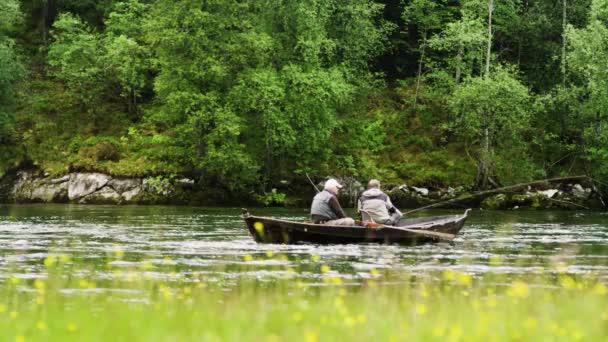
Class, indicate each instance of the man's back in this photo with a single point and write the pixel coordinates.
(375, 203)
(321, 209)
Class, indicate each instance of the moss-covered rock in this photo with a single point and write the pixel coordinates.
(496, 202)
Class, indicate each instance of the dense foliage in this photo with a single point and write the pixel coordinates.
(242, 95)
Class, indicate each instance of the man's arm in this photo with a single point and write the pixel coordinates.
(336, 208)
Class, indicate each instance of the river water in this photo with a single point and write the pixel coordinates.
(213, 243)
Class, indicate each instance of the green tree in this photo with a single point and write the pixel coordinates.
(74, 57)
(586, 58)
(429, 16)
(127, 58)
(11, 71)
(275, 77)
(492, 112)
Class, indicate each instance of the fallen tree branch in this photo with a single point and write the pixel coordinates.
(499, 190)
(569, 203)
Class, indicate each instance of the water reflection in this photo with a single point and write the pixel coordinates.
(213, 243)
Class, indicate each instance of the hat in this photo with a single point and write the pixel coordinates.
(332, 183)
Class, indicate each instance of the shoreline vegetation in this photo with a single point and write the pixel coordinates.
(243, 97)
(142, 301)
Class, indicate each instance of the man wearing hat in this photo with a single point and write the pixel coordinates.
(326, 209)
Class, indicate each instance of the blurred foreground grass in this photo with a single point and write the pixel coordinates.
(72, 303)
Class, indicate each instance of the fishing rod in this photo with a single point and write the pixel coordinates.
(311, 182)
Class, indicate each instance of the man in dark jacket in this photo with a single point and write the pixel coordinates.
(376, 206)
(326, 209)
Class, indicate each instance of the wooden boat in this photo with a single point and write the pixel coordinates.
(408, 231)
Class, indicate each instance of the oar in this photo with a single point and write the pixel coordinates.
(427, 233)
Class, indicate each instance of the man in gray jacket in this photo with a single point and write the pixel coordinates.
(376, 206)
(326, 209)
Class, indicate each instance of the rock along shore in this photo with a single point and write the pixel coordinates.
(93, 188)
(99, 188)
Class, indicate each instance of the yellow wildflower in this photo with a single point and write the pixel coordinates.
(530, 323)
(519, 289)
(269, 254)
(335, 280)
(438, 332)
(492, 302)
(72, 327)
(41, 326)
(455, 332)
(373, 272)
(600, 289)
(147, 265)
(259, 227)
(495, 260)
(449, 275)
(421, 309)
(39, 284)
(349, 321)
(50, 261)
(338, 302)
(464, 279)
(325, 269)
(118, 252)
(65, 258)
(315, 258)
(311, 336)
(248, 258)
(577, 335)
(297, 317)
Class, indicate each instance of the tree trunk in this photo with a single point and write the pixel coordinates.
(520, 39)
(564, 42)
(44, 21)
(482, 180)
(419, 75)
(459, 63)
(489, 50)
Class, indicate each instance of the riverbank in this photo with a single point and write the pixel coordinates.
(100, 188)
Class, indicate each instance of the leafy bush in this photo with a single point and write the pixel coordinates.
(272, 199)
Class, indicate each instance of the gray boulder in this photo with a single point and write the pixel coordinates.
(578, 192)
(104, 195)
(421, 191)
(549, 193)
(129, 195)
(83, 184)
(124, 185)
(49, 192)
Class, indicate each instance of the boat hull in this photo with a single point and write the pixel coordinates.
(270, 230)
